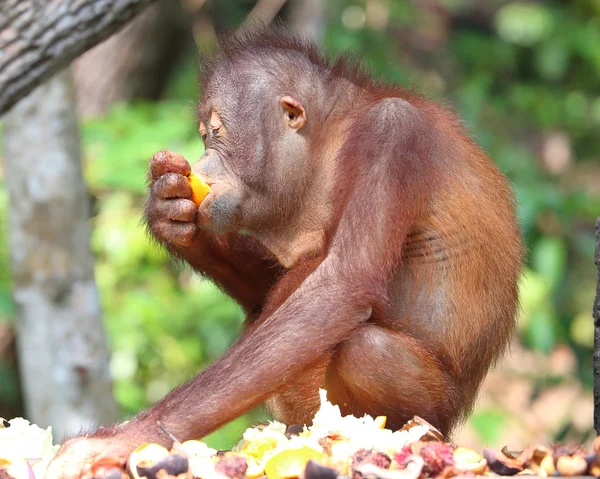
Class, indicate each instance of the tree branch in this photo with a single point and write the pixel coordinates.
(264, 11)
(39, 37)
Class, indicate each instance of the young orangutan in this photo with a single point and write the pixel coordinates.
(372, 244)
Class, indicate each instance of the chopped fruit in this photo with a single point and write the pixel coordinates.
(575, 465)
(199, 189)
(291, 462)
(380, 421)
(333, 446)
(468, 460)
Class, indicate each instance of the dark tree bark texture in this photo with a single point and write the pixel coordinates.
(596, 315)
(39, 37)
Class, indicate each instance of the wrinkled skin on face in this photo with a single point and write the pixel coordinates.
(257, 153)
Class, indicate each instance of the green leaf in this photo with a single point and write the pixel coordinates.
(549, 259)
(524, 23)
(552, 60)
(541, 333)
(582, 330)
(7, 305)
(488, 424)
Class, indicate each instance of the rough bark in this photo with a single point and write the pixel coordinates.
(596, 315)
(39, 37)
(62, 348)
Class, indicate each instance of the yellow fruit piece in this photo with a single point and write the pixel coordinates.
(255, 451)
(257, 448)
(150, 452)
(468, 460)
(199, 189)
(291, 462)
(380, 421)
(16, 466)
(255, 469)
(571, 465)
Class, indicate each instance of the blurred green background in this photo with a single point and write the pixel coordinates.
(523, 75)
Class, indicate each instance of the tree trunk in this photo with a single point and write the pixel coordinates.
(62, 348)
(39, 37)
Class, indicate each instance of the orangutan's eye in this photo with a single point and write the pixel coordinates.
(202, 130)
(216, 125)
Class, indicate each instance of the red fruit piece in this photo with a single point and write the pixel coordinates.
(437, 456)
(232, 466)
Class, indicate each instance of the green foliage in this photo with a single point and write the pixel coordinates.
(524, 23)
(488, 423)
(120, 145)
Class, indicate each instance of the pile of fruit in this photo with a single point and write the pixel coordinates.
(25, 449)
(333, 447)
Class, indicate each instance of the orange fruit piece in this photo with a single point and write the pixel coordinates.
(199, 189)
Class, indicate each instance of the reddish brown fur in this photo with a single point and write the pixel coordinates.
(387, 274)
